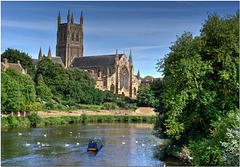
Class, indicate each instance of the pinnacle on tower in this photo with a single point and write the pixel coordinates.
(68, 17)
(72, 19)
(117, 58)
(81, 19)
(59, 18)
(138, 74)
(130, 57)
(107, 71)
(49, 53)
(40, 55)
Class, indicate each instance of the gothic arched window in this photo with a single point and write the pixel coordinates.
(124, 78)
(135, 91)
(77, 37)
(72, 37)
(112, 88)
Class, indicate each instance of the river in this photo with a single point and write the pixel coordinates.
(125, 144)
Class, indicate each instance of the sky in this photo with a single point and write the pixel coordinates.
(148, 28)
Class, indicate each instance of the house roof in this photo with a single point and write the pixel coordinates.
(18, 67)
(94, 61)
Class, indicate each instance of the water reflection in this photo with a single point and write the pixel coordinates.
(67, 146)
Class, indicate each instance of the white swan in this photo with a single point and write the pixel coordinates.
(66, 144)
(77, 143)
(38, 143)
(27, 144)
(123, 142)
(143, 144)
(45, 135)
(19, 133)
(136, 141)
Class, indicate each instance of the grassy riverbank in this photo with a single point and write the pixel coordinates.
(28, 121)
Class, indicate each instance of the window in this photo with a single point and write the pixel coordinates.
(98, 85)
(72, 37)
(134, 81)
(77, 37)
(101, 85)
(23, 71)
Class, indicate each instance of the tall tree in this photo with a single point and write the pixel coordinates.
(10, 93)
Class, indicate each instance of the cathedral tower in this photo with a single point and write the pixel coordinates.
(69, 39)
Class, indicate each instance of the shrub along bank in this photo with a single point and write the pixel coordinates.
(35, 120)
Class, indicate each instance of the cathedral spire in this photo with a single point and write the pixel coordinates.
(117, 58)
(130, 57)
(72, 19)
(81, 19)
(49, 53)
(138, 74)
(59, 18)
(68, 17)
(40, 55)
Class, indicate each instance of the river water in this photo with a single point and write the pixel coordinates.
(125, 144)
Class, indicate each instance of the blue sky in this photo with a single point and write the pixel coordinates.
(146, 27)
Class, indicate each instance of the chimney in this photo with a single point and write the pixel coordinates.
(18, 61)
(5, 60)
(92, 71)
(100, 75)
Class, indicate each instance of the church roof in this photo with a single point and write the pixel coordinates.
(57, 60)
(54, 59)
(94, 61)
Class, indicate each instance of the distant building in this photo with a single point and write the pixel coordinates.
(115, 70)
(98, 79)
(17, 66)
(111, 72)
(145, 81)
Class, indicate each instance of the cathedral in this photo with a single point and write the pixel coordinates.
(115, 70)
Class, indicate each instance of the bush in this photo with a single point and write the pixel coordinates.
(4, 122)
(110, 106)
(11, 120)
(34, 118)
(84, 117)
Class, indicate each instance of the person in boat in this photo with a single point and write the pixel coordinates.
(92, 144)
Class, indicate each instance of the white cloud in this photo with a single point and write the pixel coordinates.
(45, 26)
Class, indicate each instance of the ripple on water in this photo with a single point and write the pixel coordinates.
(113, 153)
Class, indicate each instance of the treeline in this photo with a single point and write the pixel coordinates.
(34, 120)
(199, 105)
(50, 87)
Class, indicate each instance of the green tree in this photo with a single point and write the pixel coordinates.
(146, 96)
(26, 61)
(55, 76)
(10, 93)
(26, 85)
(109, 96)
(201, 85)
(75, 91)
(148, 77)
(83, 77)
(42, 89)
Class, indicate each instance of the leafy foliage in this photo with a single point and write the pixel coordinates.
(34, 118)
(146, 96)
(26, 85)
(10, 93)
(109, 96)
(42, 90)
(55, 76)
(201, 87)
